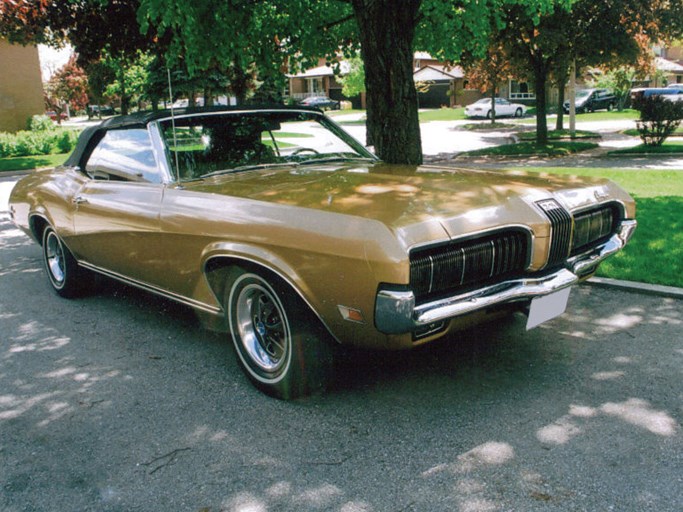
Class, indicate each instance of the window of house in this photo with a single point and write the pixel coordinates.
(315, 85)
(521, 91)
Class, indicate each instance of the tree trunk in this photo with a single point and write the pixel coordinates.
(387, 29)
(559, 123)
(540, 79)
(561, 81)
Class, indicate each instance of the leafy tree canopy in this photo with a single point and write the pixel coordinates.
(69, 85)
(90, 26)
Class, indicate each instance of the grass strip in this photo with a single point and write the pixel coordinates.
(614, 115)
(633, 132)
(24, 163)
(559, 148)
(442, 114)
(560, 135)
(488, 126)
(670, 147)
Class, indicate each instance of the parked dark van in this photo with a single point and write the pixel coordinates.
(590, 100)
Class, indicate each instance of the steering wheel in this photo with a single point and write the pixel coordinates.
(304, 150)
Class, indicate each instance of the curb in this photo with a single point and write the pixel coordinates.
(15, 174)
(633, 286)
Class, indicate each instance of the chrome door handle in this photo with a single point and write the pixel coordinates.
(79, 200)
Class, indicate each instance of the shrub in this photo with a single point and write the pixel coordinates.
(659, 118)
(7, 145)
(32, 143)
(66, 141)
(40, 124)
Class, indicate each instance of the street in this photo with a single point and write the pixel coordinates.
(119, 401)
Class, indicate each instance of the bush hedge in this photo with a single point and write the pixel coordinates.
(659, 118)
(41, 139)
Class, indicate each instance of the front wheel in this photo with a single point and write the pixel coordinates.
(518, 112)
(280, 344)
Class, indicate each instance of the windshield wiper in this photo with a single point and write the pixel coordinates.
(337, 159)
(248, 168)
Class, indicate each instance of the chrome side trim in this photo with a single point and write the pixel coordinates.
(153, 289)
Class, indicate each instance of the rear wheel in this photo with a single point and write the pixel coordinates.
(280, 344)
(66, 277)
(518, 112)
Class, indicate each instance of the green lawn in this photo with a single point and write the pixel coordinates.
(669, 147)
(488, 126)
(24, 163)
(633, 132)
(531, 148)
(560, 135)
(442, 114)
(655, 253)
(600, 115)
(427, 115)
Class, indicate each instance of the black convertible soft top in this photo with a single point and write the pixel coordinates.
(93, 134)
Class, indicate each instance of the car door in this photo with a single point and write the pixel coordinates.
(503, 107)
(116, 211)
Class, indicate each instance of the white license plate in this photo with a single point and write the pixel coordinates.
(547, 307)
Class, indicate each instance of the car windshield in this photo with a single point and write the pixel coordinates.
(582, 94)
(208, 144)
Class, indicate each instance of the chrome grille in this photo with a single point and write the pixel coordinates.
(592, 226)
(560, 231)
(457, 265)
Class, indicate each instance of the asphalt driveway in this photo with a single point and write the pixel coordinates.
(120, 402)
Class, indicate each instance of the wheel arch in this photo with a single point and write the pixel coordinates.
(37, 223)
(216, 265)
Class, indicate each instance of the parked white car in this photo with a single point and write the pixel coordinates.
(482, 108)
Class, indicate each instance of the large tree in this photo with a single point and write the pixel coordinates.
(294, 33)
(591, 32)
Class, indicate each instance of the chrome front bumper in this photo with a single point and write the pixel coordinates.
(397, 313)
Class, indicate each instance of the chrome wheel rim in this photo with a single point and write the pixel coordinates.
(262, 327)
(54, 257)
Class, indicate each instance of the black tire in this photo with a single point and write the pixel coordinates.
(63, 272)
(280, 344)
(518, 112)
(489, 115)
(610, 107)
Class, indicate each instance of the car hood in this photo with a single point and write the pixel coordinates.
(418, 203)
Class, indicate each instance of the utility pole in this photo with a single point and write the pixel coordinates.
(572, 100)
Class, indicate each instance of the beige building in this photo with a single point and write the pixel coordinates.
(21, 87)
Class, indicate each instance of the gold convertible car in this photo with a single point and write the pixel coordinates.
(291, 235)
